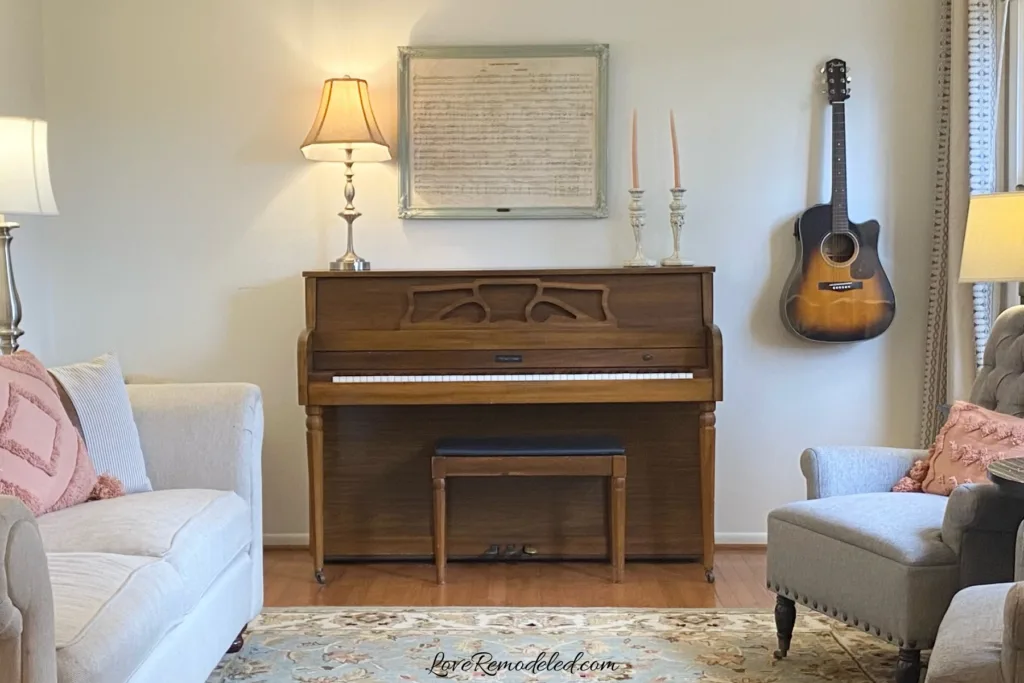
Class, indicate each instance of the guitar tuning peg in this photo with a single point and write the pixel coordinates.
(849, 79)
(822, 70)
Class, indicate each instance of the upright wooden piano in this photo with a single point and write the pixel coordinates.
(390, 361)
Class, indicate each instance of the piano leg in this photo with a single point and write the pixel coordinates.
(440, 527)
(315, 454)
(706, 440)
(618, 494)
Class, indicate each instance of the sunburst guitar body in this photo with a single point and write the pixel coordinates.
(837, 291)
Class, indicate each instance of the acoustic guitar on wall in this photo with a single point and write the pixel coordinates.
(837, 290)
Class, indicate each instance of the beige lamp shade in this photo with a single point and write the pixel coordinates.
(24, 168)
(994, 243)
(345, 122)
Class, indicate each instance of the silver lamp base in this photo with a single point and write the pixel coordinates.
(350, 262)
(10, 303)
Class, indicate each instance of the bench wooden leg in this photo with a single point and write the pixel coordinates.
(618, 515)
(440, 549)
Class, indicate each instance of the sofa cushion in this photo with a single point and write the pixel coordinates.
(970, 638)
(99, 402)
(43, 460)
(196, 531)
(110, 612)
(904, 527)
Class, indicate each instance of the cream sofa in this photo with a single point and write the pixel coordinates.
(150, 587)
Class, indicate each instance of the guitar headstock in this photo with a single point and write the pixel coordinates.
(836, 78)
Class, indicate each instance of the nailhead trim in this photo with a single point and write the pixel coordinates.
(782, 589)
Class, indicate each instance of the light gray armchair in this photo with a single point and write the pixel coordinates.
(890, 563)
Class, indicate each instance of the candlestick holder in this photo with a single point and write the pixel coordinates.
(637, 220)
(676, 219)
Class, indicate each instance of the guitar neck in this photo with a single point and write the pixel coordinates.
(840, 214)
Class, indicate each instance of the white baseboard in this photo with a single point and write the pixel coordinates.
(281, 540)
(742, 539)
(721, 539)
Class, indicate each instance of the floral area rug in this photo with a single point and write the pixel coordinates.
(530, 645)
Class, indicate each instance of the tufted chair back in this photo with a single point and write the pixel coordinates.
(999, 385)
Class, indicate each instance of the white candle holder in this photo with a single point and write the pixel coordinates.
(676, 219)
(637, 220)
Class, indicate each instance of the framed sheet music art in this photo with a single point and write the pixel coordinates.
(503, 132)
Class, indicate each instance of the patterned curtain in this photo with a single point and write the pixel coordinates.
(960, 316)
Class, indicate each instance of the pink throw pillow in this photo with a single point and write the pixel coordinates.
(971, 439)
(43, 460)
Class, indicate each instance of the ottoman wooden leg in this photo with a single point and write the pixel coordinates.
(785, 620)
(908, 666)
(618, 502)
(440, 548)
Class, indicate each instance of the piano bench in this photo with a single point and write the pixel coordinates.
(543, 456)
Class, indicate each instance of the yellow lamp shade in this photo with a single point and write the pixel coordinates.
(994, 243)
(345, 123)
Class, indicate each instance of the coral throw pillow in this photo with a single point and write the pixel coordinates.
(971, 439)
(43, 460)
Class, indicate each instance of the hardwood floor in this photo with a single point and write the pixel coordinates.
(739, 583)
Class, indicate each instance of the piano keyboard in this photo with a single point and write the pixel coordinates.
(512, 377)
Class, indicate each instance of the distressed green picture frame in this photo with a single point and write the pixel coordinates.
(408, 210)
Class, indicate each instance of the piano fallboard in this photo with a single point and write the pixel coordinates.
(389, 361)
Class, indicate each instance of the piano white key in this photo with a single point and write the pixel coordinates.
(513, 377)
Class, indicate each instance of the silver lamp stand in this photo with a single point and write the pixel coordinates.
(350, 260)
(10, 304)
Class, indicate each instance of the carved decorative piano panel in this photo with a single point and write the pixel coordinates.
(390, 361)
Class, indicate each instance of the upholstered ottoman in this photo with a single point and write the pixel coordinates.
(874, 560)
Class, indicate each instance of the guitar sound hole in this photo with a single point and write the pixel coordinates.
(839, 248)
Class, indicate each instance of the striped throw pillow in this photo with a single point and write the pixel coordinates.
(103, 413)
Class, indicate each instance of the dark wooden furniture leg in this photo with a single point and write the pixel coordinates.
(785, 620)
(315, 453)
(238, 642)
(908, 666)
(706, 440)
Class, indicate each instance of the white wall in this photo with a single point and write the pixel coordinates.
(188, 212)
(21, 94)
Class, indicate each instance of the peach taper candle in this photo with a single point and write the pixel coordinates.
(675, 149)
(636, 166)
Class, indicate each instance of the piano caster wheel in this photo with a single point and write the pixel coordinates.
(319, 575)
(709, 575)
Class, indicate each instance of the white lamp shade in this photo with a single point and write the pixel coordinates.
(24, 168)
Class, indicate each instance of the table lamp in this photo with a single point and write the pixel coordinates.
(24, 189)
(994, 242)
(345, 130)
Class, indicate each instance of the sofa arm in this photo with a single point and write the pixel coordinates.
(1012, 654)
(206, 436)
(981, 508)
(840, 471)
(28, 649)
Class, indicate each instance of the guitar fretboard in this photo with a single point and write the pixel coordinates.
(840, 216)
